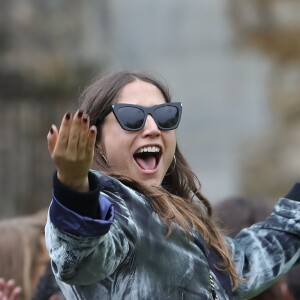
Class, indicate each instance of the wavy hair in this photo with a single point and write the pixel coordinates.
(179, 199)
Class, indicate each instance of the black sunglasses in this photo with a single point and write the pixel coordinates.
(133, 117)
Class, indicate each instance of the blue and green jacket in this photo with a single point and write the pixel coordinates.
(110, 243)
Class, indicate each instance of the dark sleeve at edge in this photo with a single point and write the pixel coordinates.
(294, 193)
(85, 204)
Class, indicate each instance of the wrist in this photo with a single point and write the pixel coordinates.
(77, 184)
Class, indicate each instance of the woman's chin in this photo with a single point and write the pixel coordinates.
(153, 180)
(153, 183)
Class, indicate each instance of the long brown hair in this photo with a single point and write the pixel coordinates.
(179, 199)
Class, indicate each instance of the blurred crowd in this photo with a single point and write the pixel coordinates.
(25, 265)
(26, 270)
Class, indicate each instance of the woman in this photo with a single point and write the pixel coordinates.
(137, 225)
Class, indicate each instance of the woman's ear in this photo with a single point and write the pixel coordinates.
(100, 149)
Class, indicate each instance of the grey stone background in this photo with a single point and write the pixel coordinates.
(233, 64)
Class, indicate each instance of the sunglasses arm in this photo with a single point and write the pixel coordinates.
(103, 115)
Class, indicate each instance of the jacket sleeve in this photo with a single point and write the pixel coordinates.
(85, 245)
(267, 250)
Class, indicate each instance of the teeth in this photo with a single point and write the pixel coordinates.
(148, 149)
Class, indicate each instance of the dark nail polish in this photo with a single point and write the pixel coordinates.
(68, 116)
(51, 130)
(85, 120)
(93, 131)
(80, 114)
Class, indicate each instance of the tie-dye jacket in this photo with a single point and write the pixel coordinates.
(122, 252)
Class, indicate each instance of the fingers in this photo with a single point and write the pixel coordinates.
(75, 139)
(2, 289)
(16, 292)
(81, 137)
(2, 296)
(78, 135)
(52, 138)
(90, 146)
(12, 290)
(77, 128)
(63, 135)
(74, 136)
(58, 139)
(9, 290)
(10, 285)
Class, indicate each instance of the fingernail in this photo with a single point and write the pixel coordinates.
(68, 116)
(85, 120)
(80, 114)
(93, 131)
(51, 130)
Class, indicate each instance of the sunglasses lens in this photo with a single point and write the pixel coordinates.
(131, 117)
(167, 116)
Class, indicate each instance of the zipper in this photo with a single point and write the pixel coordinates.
(212, 286)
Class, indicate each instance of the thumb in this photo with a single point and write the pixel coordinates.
(52, 138)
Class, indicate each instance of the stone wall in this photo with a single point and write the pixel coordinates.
(273, 27)
(48, 50)
(44, 64)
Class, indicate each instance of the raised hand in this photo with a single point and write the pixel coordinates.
(9, 290)
(72, 149)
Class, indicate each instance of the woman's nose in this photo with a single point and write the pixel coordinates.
(150, 127)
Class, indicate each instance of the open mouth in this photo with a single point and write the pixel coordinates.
(148, 157)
